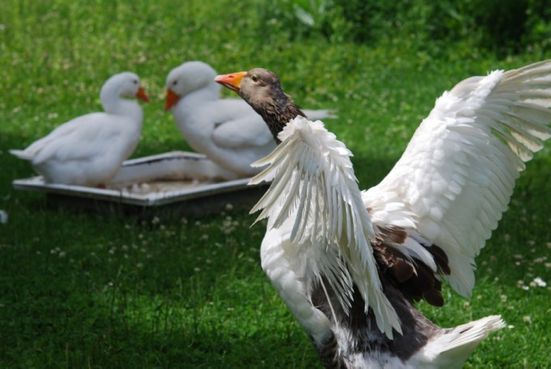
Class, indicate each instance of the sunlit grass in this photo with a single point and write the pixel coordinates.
(83, 290)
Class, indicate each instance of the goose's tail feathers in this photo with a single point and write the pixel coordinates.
(451, 348)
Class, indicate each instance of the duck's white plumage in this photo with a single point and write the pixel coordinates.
(227, 130)
(89, 149)
(449, 188)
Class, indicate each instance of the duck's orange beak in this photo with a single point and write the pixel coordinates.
(231, 81)
(171, 99)
(142, 95)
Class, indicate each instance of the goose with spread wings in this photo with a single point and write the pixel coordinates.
(350, 265)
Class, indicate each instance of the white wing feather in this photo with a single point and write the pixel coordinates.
(244, 131)
(82, 138)
(457, 174)
(313, 183)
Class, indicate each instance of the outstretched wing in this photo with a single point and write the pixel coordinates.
(457, 174)
(313, 183)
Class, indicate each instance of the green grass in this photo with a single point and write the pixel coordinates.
(84, 290)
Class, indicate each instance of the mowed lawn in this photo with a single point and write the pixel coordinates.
(89, 290)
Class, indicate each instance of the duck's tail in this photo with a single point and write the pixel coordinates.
(22, 154)
(451, 348)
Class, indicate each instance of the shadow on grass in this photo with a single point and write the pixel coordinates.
(76, 308)
(56, 328)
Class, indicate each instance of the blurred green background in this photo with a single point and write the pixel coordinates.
(84, 290)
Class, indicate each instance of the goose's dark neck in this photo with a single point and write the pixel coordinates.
(278, 112)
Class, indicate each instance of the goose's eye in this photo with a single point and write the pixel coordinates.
(135, 81)
(174, 83)
(254, 78)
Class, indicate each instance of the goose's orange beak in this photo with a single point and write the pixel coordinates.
(231, 81)
(171, 99)
(142, 95)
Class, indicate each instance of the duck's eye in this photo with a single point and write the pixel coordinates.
(174, 83)
(135, 81)
(254, 78)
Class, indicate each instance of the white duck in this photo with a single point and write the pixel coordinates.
(227, 131)
(350, 264)
(89, 150)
